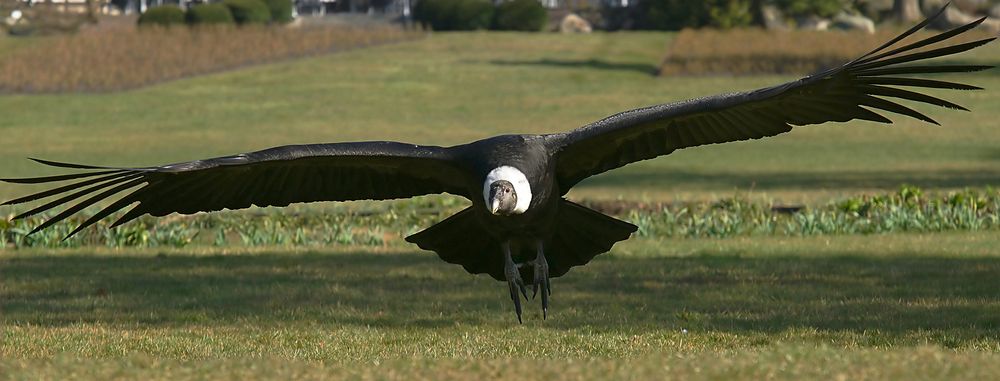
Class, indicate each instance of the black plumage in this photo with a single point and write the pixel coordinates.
(513, 233)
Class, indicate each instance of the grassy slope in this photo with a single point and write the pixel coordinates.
(779, 306)
(452, 88)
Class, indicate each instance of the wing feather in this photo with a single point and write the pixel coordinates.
(273, 177)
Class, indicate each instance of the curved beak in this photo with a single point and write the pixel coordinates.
(496, 206)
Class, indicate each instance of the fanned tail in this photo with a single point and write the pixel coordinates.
(579, 235)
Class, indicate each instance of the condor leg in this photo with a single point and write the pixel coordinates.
(514, 281)
(541, 280)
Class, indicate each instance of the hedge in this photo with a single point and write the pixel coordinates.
(164, 15)
(248, 11)
(281, 10)
(523, 15)
(454, 14)
(214, 13)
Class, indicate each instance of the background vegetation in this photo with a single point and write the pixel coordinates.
(248, 11)
(521, 15)
(280, 10)
(448, 15)
(212, 13)
(164, 16)
(907, 210)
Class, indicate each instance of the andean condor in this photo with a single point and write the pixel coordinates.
(519, 225)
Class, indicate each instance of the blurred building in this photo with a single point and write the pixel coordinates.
(392, 8)
(112, 7)
(403, 7)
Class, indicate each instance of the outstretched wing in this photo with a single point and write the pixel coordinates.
(277, 176)
(855, 90)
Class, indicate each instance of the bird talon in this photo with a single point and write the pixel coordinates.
(516, 299)
(514, 281)
(542, 280)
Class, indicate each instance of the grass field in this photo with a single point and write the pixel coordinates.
(897, 306)
(737, 307)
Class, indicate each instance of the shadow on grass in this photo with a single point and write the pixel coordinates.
(592, 63)
(798, 180)
(954, 297)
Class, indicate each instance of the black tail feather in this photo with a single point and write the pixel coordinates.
(461, 240)
(579, 235)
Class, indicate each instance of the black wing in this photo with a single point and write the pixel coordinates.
(851, 91)
(277, 176)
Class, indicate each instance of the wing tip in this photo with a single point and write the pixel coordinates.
(60, 164)
(37, 229)
(72, 233)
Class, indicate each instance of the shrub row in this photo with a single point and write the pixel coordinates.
(907, 210)
(227, 12)
(216, 13)
(521, 15)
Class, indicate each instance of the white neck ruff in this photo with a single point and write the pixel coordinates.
(515, 177)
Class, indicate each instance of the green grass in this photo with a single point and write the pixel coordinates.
(729, 307)
(453, 88)
(782, 362)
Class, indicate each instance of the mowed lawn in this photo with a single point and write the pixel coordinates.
(887, 306)
(900, 306)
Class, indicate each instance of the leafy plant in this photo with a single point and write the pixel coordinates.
(907, 210)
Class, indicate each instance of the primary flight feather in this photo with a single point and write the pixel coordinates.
(519, 225)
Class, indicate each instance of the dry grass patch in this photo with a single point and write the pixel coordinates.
(120, 59)
(757, 51)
